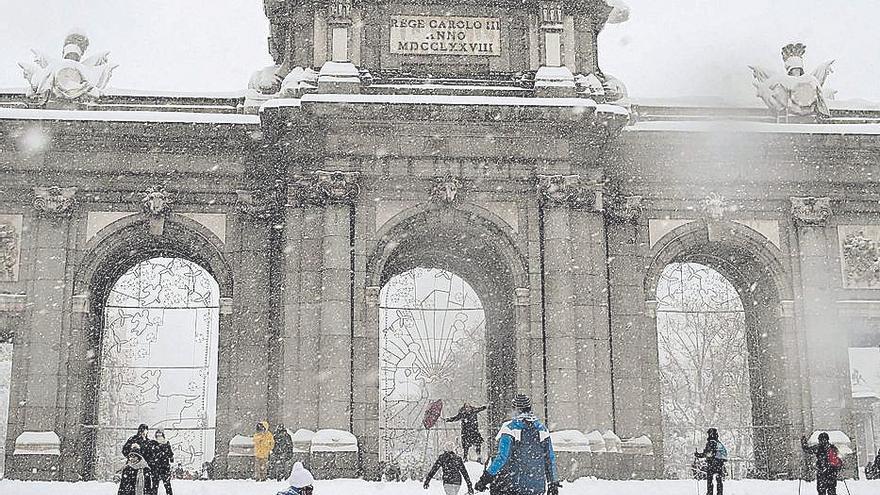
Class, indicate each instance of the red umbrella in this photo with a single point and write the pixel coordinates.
(432, 414)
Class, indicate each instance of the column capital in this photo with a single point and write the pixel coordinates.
(523, 296)
(625, 209)
(371, 295)
(322, 188)
(54, 200)
(258, 203)
(573, 191)
(811, 210)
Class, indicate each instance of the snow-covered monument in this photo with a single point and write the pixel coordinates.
(479, 138)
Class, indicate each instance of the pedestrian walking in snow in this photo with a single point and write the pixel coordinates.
(828, 463)
(526, 463)
(300, 480)
(716, 455)
(162, 456)
(282, 455)
(264, 442)
(453, 471)
(137, 478)
(872, 470)
(470, 429)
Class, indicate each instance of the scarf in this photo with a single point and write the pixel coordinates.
(139, 484)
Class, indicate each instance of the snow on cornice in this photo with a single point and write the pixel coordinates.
(731, 126)
(127, 116)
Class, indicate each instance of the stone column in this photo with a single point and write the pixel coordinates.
(827, 358)
(316, 302)
(633, 325)
(44, 274)
(576, 304)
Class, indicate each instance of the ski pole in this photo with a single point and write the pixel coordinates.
(846, 486)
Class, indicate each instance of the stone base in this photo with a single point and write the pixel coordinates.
(332, 465)
(239, 467)
(34, 467)
(606, 465)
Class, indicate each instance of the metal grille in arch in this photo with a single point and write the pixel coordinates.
(159, 361)
(432, 346)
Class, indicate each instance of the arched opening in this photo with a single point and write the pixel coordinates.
(432, 346)
(471, 250)
(157, 361)
(704, 367)
(748, 263)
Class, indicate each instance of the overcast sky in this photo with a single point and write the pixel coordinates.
(668, 48)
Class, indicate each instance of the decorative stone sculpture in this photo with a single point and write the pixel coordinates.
(156, 204)
(715, 206)
(323, 188)
(572, 191)
(861, 260)
(258, 203)
(54, 200)
(795, 92)
(445, 189)
(9, 251)
(72, 78)
(626, 209)
(811, 211)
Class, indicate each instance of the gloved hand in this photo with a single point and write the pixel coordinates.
(484, 482)
(553, 488)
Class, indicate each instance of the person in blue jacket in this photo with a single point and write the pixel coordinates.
(525, 464)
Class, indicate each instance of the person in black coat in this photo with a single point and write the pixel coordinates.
(826, 474)
(162, 458)
(141, 439)
(137, 478)
(280, 460)
(453, 471)
(715, 459)
(470, 428)
(872, 470)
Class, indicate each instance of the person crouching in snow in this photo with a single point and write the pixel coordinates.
(137, 479)
(264, 442)
(526, 463)
(301, 481)
(453, 471)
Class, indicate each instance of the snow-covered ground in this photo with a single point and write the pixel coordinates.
(357, 487)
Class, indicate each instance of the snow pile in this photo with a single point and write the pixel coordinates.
(302, 440)
(639, 445)
(569, 441)
(334, 441)
(241, 446)
(597, 441)
(612, 441)
(37, 443)
(358, 487)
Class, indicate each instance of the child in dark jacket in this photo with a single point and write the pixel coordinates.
(453, 471)
(137, 478)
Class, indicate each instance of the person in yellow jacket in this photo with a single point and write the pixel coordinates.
(264, 442)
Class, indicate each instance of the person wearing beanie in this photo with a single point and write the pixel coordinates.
(301, 481)
(828, 463)
(163, 458)
(716, 455)
(453, 471)
(526, 463)
(137, 478)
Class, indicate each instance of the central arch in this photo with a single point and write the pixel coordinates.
(477, 246)
(752, 264)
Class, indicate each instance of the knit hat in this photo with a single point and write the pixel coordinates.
(300, 477)
(712, 433)
(522, 402)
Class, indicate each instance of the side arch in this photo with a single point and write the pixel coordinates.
(757, 270)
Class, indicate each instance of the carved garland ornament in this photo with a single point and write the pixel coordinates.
(572, 191)
(861, 260)
(811, 211)
(54, 200)
(8, 251)
(323, 188)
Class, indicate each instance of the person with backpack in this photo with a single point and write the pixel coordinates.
(828, 463)
(453, 471)
(526, 463)
(715, 454)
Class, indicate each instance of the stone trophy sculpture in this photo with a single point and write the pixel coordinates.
(72, 78)
(795, 93)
